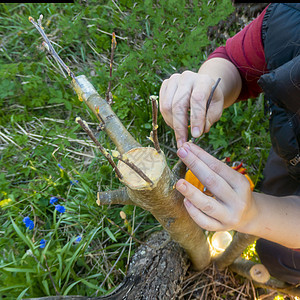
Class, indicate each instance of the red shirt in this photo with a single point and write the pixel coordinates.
(245, 50)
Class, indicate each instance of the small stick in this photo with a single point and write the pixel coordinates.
(113, 47)
(133, 167)
(211, 95)
(154, 123)
(49, 46)
(86, 128)
(102, 123)
(209, 101)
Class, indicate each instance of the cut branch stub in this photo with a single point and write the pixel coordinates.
(119, 135)
(235, 249)
(164, 201)
(149, 161)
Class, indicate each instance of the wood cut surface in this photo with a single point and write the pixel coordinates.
(148, 160)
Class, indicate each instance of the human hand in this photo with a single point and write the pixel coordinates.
(234, 207)
(185, 91)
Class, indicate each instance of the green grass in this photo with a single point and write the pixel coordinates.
(38, 133)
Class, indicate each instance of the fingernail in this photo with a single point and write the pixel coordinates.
(181, 187)
(186, 146)
(179, 144)
(182, 153)
(195, 132)
(187, 203)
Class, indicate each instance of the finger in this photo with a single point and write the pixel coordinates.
(180, 106)
(234, 179)
(166, 94)
(208, 177)
(198, 100)
(208, 205)
(200, 218)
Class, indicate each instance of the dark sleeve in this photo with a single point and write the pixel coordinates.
(245, 50)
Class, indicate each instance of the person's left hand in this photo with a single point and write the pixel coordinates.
(233, 208)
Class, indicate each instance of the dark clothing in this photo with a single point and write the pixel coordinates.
(276, 181)
(282, 90)
(282, 263)
(266, 54)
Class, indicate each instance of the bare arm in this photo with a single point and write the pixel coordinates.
(190, 91)
(277, 219)
(230, 83)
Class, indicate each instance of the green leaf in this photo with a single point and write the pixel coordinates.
(20, 297)
(22, 236)
(20, 270)
(110, 234)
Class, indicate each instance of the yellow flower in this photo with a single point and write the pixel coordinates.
(5, 202)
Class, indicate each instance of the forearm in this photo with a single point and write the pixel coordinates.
(276, 219)
(230, 83)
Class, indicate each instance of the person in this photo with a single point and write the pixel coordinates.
(263, 57)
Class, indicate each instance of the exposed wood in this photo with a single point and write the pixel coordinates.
(259, 273)
(119, 135)
(243, 267)
(118, 196)
(234, 250)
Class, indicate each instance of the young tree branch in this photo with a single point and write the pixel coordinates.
(49, 46)
(119, 135)
(86, 92)
(113, 47)
(153, 134)
(242, 267)
(86, 128)
(118, 196)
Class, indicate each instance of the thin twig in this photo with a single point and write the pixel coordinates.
(211, 95)
(135, 168)
(154, 123)
(86, 128)
(113, 47)
(208, 103)
(102, 123)
(49, 46)
(51, 278)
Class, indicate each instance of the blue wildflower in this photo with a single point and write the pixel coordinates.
(53, 200)
(60, 208)
(28, 223)
(60, 166)
(78, 239)
(74, 182)
(43, 243)
(26, 220)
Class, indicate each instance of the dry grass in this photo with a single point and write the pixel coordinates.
(212, 284)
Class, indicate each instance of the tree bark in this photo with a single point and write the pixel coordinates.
(164, 202)
(111, 124)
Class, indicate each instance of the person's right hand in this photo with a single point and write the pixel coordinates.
(190, 91)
